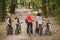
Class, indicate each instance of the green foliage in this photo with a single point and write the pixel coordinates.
(51, 7)
(57, 11)
(37, 4)
(2, 10)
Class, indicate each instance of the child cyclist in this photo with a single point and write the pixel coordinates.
(17, 30)
(17, 21)
(48, 27)
(9, 27)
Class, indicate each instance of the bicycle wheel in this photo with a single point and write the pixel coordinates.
(29, 31)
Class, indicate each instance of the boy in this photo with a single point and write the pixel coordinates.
(48, 24)
(17, 21)
(48, 27)
(9, 27)
(18, 29)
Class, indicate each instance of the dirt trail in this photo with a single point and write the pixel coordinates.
(23, 35)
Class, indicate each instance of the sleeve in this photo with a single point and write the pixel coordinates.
(50, 27)
(8, 20)
(36, 18)
(42, 17)
(16, 21)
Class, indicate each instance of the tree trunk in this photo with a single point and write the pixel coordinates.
(29, 5)
(12, 7)
(3, 10)
(44, 8)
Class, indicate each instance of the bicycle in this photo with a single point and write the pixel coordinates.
(9, 30)
(18, 29)
(29, 31)
(47, 32)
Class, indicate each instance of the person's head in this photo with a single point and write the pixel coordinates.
(8, 14)
(47, 20)
(29, 13)
(40, 11)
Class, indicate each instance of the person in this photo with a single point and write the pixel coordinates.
(9, 19)
(39, 22)
(48, 25)
(18, 28)
(29, 22)
(48, 28)
(17, 21)
(9, 22)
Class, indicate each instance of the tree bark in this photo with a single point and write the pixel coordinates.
(3, 10)
(44, 8)
(13, 6)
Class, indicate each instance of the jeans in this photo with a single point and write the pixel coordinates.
(29, 24)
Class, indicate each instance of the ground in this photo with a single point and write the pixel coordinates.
(23, 36)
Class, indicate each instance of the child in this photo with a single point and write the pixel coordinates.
(9, 27)
(17, 31)
(9, 21)
(48, 26)
(17, 21)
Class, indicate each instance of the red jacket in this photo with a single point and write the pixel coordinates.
(29, 18)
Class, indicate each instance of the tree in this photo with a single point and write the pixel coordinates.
(3, 10)
(50, 7)
(57, 16)
(36, 4)
(13, 6)
(44, 8)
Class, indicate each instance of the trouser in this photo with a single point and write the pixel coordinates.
(10, 26)
(47, 29)
(40, 29)
(17, 25)
(37, 29)
(29, 24)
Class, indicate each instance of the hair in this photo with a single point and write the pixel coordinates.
(29, 13)
(40, 10)
(8, 14)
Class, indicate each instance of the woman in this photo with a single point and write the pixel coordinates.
(39, 21)
(29, 22)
